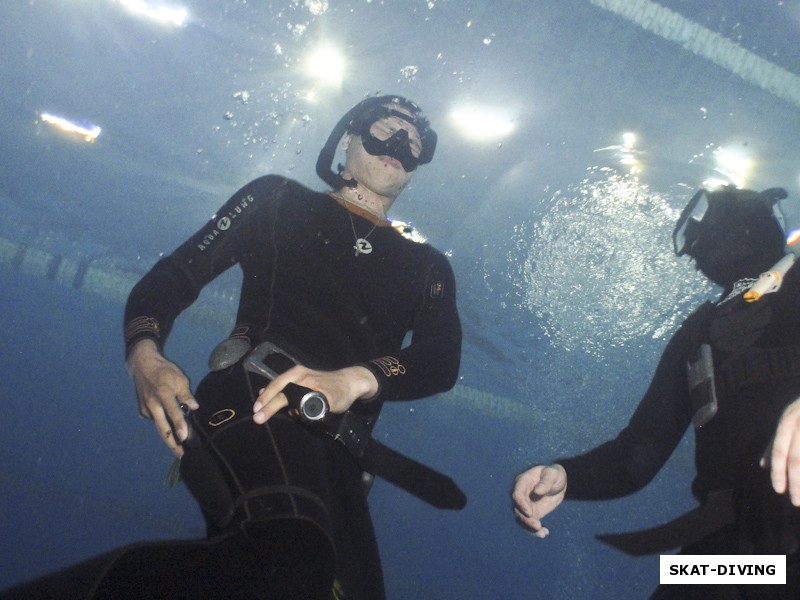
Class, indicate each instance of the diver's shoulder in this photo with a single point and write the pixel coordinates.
(697, 319)
(430, 254)
(272, 182)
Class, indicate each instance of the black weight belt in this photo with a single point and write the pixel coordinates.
(716, 513)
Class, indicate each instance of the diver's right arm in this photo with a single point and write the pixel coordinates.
(161, 389)
(171, 286)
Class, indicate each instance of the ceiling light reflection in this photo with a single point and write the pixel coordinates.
(734, 164)
(714, 183)
(326, 65)
(88, 132)
(482, 124)
(157, 11)
(627, 153)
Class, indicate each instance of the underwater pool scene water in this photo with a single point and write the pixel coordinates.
(571, 133)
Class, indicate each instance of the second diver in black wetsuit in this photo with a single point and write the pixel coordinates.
(331, 288)
(732, 369)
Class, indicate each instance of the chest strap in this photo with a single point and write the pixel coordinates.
(757, 367)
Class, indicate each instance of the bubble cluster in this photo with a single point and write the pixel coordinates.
(409, 72)
(317, 7)
(598, 269)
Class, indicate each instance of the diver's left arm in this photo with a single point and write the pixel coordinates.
(783, 456)
(630, 461)
(429, 364)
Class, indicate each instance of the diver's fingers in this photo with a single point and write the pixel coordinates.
(524, 484)
(144, 412)
(175, 416)
(267, 405)
(531, 524)
(523, 489)
(775, 459)
(788, 437)
(271, 399)
(793, 471)
(542, 533)
(272, 389)
(553, 481)
(185, 397)
(166, 432)
(784, 458)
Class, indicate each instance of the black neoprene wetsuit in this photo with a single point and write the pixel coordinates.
(756, 350)
(306, 285)
(299, 514)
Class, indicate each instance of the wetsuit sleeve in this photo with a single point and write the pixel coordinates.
(175, 281)
(429, 364)
(631, 460)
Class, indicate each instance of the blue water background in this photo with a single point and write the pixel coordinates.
(567, 287)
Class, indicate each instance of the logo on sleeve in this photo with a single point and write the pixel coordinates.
(389, 366)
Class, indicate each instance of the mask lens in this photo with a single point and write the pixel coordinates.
(385, 129)
(685, 233)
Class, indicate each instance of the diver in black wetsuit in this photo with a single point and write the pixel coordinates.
(330, 289)
(733, 370)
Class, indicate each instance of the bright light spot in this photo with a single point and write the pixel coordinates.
(157, 12)
(326, 65)
(627, 152)
(735, 165)
(793, 237)
(714, 183)
(482, 124)
(408, 231)
(628, 139)
(89, 132)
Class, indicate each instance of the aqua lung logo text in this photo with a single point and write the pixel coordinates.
(224, 223)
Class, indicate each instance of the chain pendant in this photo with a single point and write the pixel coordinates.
(362, 246)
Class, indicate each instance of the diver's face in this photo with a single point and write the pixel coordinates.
(382, 174)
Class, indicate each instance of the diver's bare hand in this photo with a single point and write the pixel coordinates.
(341, 388)
(161, 389)
(537, 492)
(783, 456)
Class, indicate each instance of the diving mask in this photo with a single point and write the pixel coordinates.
(381, 136)
(687, 229)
